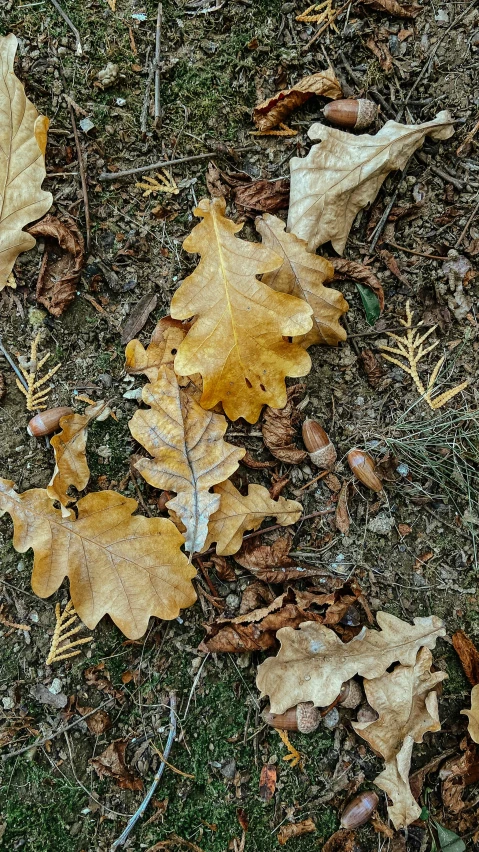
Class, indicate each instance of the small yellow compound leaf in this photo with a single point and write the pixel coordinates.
(236, 514)
(23, 135)
(189, 453)
(303, 274)
(407, 706)
(238, 341)
(127, 567)
(473, 714)
(161, 350)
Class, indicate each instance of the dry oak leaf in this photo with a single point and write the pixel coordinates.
(263, 196)
(60, 270)
(238, 513)
(279, 432)
(345, 173)
(111, 763)
(468, 655)
(303, 274)
(23, 140)
(473, 714)
(189, 453)
(407, 706)
(275, 110)
(238, 341)
(161, 350)
(127, 567)
(313, 663)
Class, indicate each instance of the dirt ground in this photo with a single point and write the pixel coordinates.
(412, 549)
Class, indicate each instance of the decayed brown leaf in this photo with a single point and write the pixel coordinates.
(267, 782)
(313, 663)
(98, 722)
(71, 466)
(344, 173)
(303, 274)
(266, 561)
(399, 10)
(473, 714)
(128, 567)
(342, 518)
(295, 829)
(189, 453)
(380, 48)
(160, 351)
(468, 655)
(238, 513)
(456, 774)
(23, 140)
(407, 706)
(111, 764)
(341, 841)
(344, 268)
(237, 341)
(138, 317)
(99, 677)
(60, 270)
(372, 368)
(263, 196)
(275, 110)
(279, 431)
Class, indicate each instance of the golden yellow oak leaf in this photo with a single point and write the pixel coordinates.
(189, 453)
(473, 714)
(313, 663)
(407, 706)
(238, 339)
(303, 274)
(236, 514)
(161, 349)
(127, 567)
(23, 139)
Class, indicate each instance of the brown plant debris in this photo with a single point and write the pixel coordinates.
(61, 646)
(410, 347)
(35, 398)
(111, 764)
(267, 782)
(62, 262)
(295, 829)
(275, 110)
(468, 655)
(473, 714)
(344, 269)
(392, 7)
(263, 196)
(279, 429)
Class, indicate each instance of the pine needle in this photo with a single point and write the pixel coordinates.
(293, 756)
(411, 349)
(35, 398)
(165, 183)
(58, 649)
(318, 13)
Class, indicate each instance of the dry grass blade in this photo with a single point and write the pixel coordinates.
(61, 647)
(35, 398)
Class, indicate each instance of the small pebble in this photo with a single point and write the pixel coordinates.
(331, 720)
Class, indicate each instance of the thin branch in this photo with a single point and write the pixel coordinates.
(79, 50)
(81, 164)
(165, 163)
(13, 365)
(157, 67)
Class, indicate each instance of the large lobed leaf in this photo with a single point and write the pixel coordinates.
(127, 567)
(189, 453)
(344, 173)
(23, 139)
(238, 339)
(473, 714)
(313, 662)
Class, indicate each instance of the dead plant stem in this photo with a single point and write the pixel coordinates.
(105, 176)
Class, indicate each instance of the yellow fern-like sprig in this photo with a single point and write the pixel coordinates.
(60, 648)
(294, 756)
(35, 398)
(322, 12)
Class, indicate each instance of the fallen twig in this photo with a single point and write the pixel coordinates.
(156, 780)
(157, 67)
(165, 163)
(13, 365)
(146, 99)
(466, 226)
(79, 50)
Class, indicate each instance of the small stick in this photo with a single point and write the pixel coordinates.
(157, 67)
(81, 164)
(13, 365)
(165, 163)
(418, 253)
(312, 481)
(445, 176)
(146, 99)
(79, 50)
(466, 226)
(156, 780)
(382, 222)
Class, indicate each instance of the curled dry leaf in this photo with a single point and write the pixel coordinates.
(468, 655)
(279, 430)
(392, 7)
(98, 722)
(344, 173)
(344, 269)
(313, 663)
(138, 316)
(341, 841)
(60, 270)
(372, 368)
(342, 519)
(127, 567)
(407, 706)
(111, 764)
(456, 774)
(238, 513)
(267, 782)
(238, 341)
(263, 196)
(473, 714)
(303, 274)
(275, 110)
(160, 351)
(189, 453)
(295, 829)
(23, 140)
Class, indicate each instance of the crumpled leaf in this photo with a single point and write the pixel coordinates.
(138, 316)
(295, 829)
(267, 782)
(60, 270)
(362, 274)
(263, 196)
(160, 351)
(238, 513)
(399, 10)
(237, 341)
(128, 567)
(189, 453)
(473, 714)
(111, 764)
(344, 173)
(456, 774)
(275, 110)
(270, 562)
(23, 140)
(313, 663)
(303, 274)
(468, 655)
(407, 706)
(279, 431)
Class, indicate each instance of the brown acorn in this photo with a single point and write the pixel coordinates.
(47, 421)
(351, 113)
(359, 810)
(304, 718)
(351, 694)
(321, 451)
(364, 469)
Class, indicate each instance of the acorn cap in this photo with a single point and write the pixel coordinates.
(351, 695)
(303, 717)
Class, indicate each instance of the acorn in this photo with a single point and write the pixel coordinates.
(351, 113)
(359, 810)
(304, 718)
(364, 469)
(47, 421)
(321, 451)
(351, 695)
